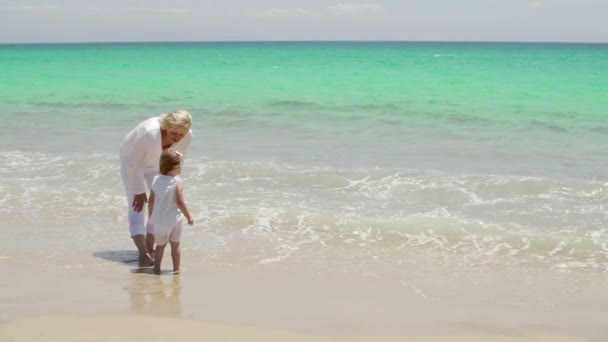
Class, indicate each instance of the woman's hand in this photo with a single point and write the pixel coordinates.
(139, 201)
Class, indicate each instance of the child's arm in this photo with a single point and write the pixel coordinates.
(150, 203)
(181, 202)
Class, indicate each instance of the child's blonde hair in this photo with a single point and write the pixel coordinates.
(169, 161)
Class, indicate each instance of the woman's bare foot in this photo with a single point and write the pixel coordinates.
(156, 270)
(145, 260)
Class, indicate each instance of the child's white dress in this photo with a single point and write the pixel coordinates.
(167, 220)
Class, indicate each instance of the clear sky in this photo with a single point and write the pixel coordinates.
(203, 20)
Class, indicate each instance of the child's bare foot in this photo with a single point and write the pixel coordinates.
(145, 260)
(176, 271)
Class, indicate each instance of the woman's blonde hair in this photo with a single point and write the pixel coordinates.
(176, 121)
(169, 161)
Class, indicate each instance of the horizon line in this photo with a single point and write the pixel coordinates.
(302, 41)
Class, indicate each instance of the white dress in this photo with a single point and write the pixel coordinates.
(166, 216)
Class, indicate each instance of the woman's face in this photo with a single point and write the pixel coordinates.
(175, 136)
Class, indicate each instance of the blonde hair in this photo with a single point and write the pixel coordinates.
(176, 121)
(169, 161)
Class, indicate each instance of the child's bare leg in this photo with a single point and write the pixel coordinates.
(150, 244)
(158, 257)
(176, 255)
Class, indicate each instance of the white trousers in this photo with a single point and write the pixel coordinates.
(137, 220)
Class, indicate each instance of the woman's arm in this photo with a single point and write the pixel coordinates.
(132, 156)
(133, 151)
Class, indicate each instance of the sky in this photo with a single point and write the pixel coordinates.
(27, 21)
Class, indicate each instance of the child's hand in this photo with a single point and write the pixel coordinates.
(190, 221)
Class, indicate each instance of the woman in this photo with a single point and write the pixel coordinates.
(139, 163)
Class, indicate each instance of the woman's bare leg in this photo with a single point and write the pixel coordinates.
(140, 243)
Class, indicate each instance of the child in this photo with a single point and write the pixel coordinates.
(167, 208)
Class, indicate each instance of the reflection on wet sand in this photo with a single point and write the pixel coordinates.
(155, 295)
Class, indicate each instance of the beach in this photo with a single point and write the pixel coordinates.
(96, 329)
(106, 300)
(341, 192)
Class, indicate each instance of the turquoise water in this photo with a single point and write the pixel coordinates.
(473, 153)
(517, 106)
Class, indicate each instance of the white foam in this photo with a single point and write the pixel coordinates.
(477, 219)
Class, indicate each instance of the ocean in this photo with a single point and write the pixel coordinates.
(385, 158)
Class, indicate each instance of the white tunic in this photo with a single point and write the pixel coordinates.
(140, 154)
(165, 213)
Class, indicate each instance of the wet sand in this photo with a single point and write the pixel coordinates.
(104, 297)
(151, 329)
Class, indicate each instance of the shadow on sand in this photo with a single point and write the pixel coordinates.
(130, 258)
(126, 257)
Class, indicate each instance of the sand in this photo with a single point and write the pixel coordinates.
(100, 299)
(151, 329)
